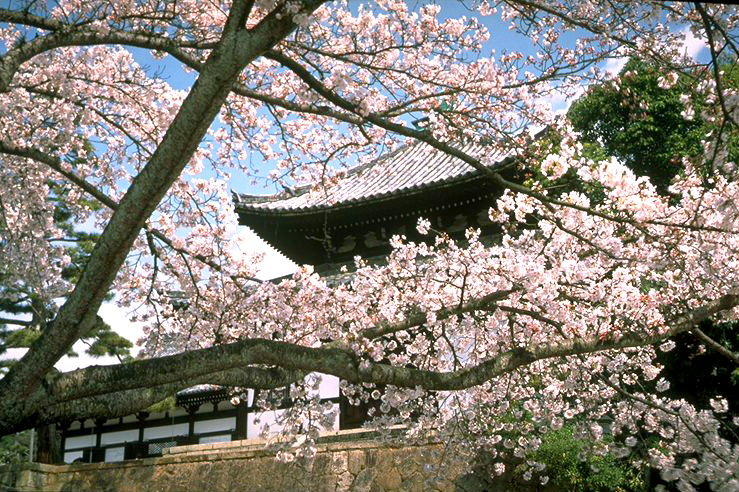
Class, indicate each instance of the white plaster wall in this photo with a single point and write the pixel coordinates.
(225, 405)
(166, 431)
(213, 425)
(120, 436)
(257, 420)
(205, 408)
(114, 454)
(329, 386)
(79, 441)
(70, 456)
(177, 412)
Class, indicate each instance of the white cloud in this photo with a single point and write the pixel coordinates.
(614, 65)
(117, 318)
(274, 264)
(559, 103)
(692, 46)
(66, 363)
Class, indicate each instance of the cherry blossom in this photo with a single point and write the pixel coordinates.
(555, 324)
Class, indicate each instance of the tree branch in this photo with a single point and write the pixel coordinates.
(486, 303)
(716, 346)
(96, 380)
(236, 49)
(19, 322)
(121, 403)
(56, 164)
(74, 36)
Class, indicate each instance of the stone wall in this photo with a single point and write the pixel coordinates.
(356, 466)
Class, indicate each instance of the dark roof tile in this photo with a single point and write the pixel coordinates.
(411, 167)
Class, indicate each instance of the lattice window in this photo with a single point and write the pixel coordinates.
(156, 448)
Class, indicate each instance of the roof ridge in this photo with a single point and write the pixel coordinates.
(410, 168)
(361, 167)
(303, 189)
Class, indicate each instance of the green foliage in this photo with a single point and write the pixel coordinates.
(571, 466)
(640, 123)
(14, 448)
(21, 338)
(20, 301)
(77, 244)
(107, 342)
(162, 406)
(643, 125)
(550, 143)
(571, 463)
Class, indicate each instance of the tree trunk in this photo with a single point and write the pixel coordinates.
(48, 444)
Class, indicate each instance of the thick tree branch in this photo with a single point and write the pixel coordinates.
(121, 403)
(236, 48)
(97, 380)
(28, 19)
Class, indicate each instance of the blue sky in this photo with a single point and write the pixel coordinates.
(501, 38)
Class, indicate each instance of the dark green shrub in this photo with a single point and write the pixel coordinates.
(572, 466)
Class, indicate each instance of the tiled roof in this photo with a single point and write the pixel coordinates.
(199, 388)
(410, 168)
(201, 393)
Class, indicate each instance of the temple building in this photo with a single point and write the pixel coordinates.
(327, 228)
(371, 203)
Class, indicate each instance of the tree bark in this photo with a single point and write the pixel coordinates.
(123, 389)
(237, 47)
(48, 444)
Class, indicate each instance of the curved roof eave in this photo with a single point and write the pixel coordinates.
(421, 177)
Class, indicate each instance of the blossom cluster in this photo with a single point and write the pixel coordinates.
(554, 324)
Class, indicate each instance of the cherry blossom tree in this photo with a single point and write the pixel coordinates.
(559, 322)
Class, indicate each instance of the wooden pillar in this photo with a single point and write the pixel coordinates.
(48, 444)
(99, 431)
(141, 417)
(97, 454)
(191, 419)
(242, 420)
